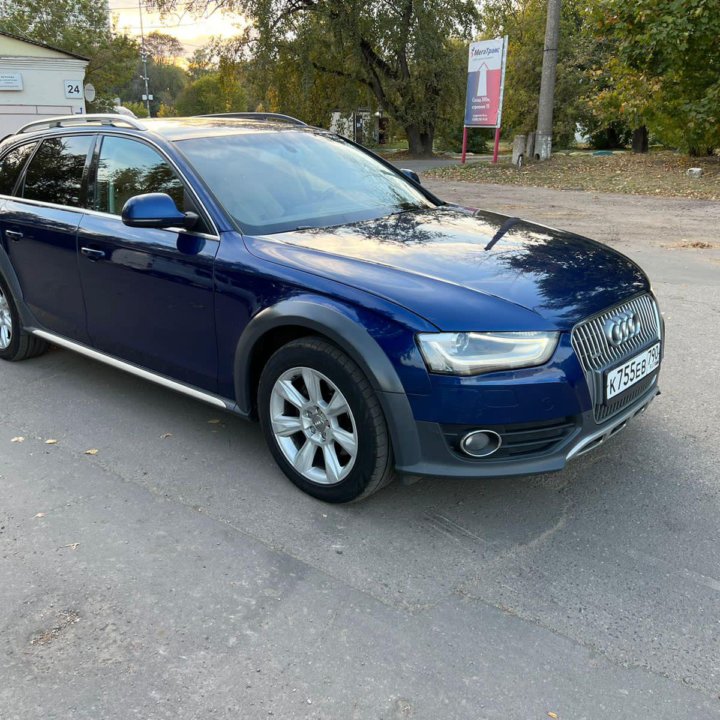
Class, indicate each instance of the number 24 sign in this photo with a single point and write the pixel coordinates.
(73, 89)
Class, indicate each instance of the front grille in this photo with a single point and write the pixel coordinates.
(614, 406)
(597, 354)
(519, 440)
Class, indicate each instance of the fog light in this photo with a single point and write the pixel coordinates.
(480, 443)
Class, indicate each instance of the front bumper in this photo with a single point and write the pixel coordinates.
(423, 449)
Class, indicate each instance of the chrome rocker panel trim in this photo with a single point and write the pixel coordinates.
(127, 367)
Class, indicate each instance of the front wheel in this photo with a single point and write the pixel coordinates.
(323, 422)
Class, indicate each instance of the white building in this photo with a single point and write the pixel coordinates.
(37, 80)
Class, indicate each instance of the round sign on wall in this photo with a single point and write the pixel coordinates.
(89, 92)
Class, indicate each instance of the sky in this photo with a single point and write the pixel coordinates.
(193, 32)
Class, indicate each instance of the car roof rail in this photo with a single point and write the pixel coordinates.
(273, 117)
(74, 120)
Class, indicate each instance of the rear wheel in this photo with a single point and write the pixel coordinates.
(15, 343)
(323, 422)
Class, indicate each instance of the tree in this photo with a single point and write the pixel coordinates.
(163, 48)
(165, 81)
(200, 63)
(524, 22)
(82, 27)
(208, 94)
(665, 71)
(289, 83)
(400, 50)
(139, 109)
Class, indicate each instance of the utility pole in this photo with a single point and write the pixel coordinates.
(144, 60)
(543, 138)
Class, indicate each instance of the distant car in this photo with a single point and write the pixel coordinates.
(288, 275)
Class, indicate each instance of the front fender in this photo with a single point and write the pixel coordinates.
(329, 321)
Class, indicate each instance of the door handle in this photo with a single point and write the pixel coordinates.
(92, 253)
(13, 235)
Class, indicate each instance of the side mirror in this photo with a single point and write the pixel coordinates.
(155, 210)
(411, 174)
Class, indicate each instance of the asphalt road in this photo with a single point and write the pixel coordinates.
(176, 574)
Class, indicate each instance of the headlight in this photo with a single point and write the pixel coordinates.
(472, 353)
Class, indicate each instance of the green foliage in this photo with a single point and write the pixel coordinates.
(165, 82)
(210, 94)
(524, 23)
(200, 63)
(290, 83)
(401, 52)
(665, 69)
(621, 65)
(138, 108)
(449, 138)
(610, 137)
(82, 27)
(165, 111)
(163, 48)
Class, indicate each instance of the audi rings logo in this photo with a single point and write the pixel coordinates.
(621, 328)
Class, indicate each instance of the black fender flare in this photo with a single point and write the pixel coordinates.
(10, 276)
(327, 320)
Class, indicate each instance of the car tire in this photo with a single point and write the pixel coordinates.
(15, 343)
(323, 422)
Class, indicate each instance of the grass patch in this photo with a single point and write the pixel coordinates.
(658, 173)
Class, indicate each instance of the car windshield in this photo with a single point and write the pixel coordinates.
(277, 181)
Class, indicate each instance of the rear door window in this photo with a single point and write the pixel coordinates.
(55, 173)
(127, 168)
(11, 166)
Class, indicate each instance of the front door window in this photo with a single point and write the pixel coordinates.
(127, 168)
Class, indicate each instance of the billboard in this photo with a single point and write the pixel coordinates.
(485, 81)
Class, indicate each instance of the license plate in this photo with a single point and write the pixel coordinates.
(634, 370)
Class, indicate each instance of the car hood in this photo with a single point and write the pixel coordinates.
(463, 271)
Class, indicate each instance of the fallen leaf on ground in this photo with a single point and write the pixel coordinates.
(213, 422)
(552, 715)
(51, 442)
(39, 515)
(700, 244)
(92, 451)
(18, 439)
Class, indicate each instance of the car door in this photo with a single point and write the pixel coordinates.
(148, 292)
(40, 226)
(12, 164)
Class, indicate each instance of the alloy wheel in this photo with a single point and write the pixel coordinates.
(313, 425)
(6, 323)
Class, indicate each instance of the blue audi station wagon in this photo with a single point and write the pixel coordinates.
(287, 275)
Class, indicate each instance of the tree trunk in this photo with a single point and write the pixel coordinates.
(420, 141)
(696, 151)
(640, 140)
(613, 139)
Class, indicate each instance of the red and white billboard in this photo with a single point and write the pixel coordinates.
(486, 78)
